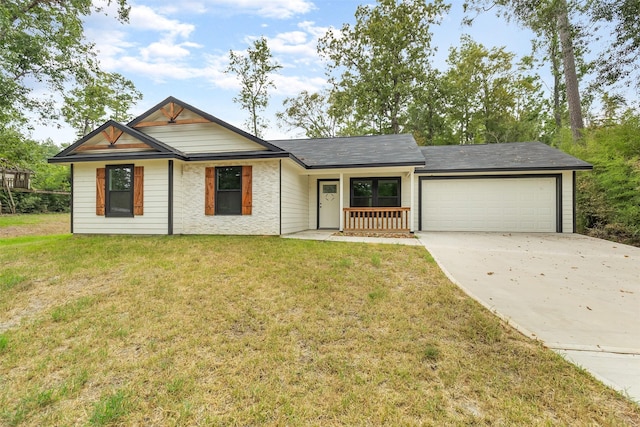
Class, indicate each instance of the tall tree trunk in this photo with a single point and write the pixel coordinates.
(554, 54)
(570, 76)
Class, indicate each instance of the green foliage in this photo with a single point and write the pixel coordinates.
(487, 101)
(29, 154)
(254, 70)
(29, 203)
(608, 198)
(551, 21)
(380, 62)
(619, 63)
(310, 112)
(43, 41)
(98, 97)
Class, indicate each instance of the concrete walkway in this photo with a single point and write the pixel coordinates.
(579, 295)
(330, 235)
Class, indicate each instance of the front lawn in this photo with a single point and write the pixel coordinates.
(34, 224)
(208, 330)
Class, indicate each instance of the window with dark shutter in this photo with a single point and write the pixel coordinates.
(228, 190)
(119, 191)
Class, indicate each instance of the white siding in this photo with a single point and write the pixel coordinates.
(295, 198)
(265, 217)
(567, 202)
(178, 197)
(201, 138)
(155, 218)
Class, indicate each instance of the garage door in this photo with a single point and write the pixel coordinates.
(489, 204)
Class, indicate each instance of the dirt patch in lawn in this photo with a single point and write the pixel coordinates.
(36, 225)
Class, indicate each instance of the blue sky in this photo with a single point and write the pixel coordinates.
(181, 49)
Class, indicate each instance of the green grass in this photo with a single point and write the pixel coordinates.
(19, 226)
(31, 219)
(214, 330)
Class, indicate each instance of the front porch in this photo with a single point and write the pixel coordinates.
(368, 202)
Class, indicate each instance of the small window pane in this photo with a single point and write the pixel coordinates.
(229, 203)
(388, 188)
(229, 178)
(361, 202)
(388, 202)
(362, 188)
(120, 178)
(329, 189)
(120, 202)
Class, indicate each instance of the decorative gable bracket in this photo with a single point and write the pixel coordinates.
(172, 111)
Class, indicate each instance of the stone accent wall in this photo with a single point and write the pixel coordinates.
(265, 217)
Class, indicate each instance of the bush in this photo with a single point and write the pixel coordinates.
(36, 202)
(608, 198)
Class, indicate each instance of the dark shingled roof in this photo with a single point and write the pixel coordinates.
(515, 156)
(367, 151)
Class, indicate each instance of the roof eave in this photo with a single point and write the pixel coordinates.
(111, 157)
(365, 165)
(519, 169)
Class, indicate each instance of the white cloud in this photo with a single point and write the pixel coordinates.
(293, 85)
(145, 18)
(167, 49)
(298, 46)
(274, 9)
(277, 9)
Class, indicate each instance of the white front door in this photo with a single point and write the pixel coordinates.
(329, 204)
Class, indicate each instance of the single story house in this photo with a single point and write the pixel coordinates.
(179, 170)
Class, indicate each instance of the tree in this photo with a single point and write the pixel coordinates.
(254, 72)
(380, 60)
(488, 98)
(622, 59)
(309, 112)
(97, 98)
(427, 112)
(43, 41)
(546, 18)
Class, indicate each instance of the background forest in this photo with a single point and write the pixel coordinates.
(381, 78)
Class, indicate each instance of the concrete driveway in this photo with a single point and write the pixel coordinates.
(579, 295)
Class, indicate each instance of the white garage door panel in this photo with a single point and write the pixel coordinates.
(504, 204)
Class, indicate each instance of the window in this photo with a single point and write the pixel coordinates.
(375, 192)
(119, 190)
(229, 190)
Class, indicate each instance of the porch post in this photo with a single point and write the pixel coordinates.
(341, 201)
(412, 199)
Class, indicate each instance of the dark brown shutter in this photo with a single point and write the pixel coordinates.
(138, 190)
(100, 187)
(246, 190)
(209, 190)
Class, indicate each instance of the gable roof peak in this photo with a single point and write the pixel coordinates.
(172, 115)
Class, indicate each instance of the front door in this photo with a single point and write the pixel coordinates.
(329, 204)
